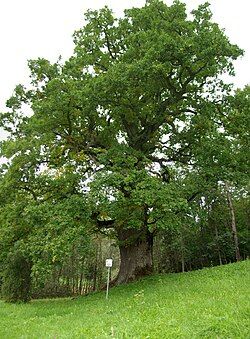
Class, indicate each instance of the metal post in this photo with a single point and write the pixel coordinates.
(107, 292)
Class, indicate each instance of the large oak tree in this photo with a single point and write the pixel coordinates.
(129, 115)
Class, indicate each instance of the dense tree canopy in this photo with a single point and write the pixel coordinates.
(130, 129)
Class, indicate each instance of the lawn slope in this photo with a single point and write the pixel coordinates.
(210, 303)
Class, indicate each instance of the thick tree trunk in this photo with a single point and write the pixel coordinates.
(136, 248)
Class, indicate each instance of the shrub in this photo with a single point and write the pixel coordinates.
(17, 278)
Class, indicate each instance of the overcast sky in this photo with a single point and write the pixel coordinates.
(30, 29)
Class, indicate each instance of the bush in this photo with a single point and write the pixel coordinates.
(17, 278)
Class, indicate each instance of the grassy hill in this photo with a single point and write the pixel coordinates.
(210, 303)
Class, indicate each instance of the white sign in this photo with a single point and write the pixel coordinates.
(109, 262)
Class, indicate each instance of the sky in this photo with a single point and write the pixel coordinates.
(30, 29)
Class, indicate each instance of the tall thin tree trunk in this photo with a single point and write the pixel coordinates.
(233, 223)
(182, 255)
(157, 255)
(80, 283)
(182, 263)
(217, 243)
(95, 270)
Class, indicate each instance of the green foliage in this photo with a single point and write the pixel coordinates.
(16, 285)
(208, 303)
(204, 236)
(238, 126)
(130, 83)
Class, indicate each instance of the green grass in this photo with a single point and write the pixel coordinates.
(210, 303)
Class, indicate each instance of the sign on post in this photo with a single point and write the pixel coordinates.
(109, 263)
